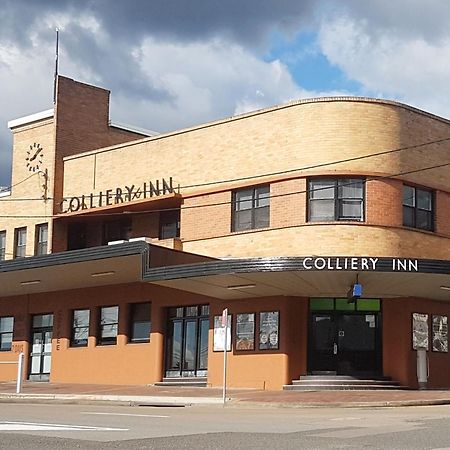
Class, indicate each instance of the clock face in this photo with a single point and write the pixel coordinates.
(34, 157)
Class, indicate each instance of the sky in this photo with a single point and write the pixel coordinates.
(175, 63)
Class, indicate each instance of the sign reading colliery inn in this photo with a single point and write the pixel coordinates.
(118, 195)
(359, 263)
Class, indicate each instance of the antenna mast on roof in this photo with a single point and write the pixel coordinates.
(56, 66)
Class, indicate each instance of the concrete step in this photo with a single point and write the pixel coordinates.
(337, 381)
(183, 382)
(340, 387)
(341, 382)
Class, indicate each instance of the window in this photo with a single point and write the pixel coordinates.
(109, 324)
(6, 333)
(418, 208)
(20, 242)
(80, 328)
(2, 245)
(251, 208)
(336, 199)
(140, 318)
(169, 224)
(116, 230)
(41, 239)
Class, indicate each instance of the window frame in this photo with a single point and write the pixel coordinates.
(167, 223)
(73, 343)
(133, 321)
(337, 199)
(3, 333)
(40, 247)
(2, 245)
(101, 340)
(415, 208)
(254, 208)
(17, 232)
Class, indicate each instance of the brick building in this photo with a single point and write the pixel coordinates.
(120, 248)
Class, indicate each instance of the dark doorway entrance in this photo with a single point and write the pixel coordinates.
(187, 341)
(345, 342)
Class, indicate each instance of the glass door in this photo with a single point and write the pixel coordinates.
(41, 347)
(345, 338)
(187, 341)
(323, 346)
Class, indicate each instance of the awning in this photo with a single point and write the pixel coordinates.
(309, 277)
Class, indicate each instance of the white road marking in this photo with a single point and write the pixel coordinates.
(121, 414)
(30, 426)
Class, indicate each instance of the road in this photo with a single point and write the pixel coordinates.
(199, 427)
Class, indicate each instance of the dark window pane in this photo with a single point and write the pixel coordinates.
(243, 220)
(424, 199)
(6, 324)
(169, 224)
(408, 216)
(244, 199)
(321, 189)
(6, 341)
(262, 217)
(141, 311)
(350, 209)
(140, 331)
(350, 188)
(409, 197)
(43, 320)
(251, 208)
(81, 318)
(423, 220)
(321, 210)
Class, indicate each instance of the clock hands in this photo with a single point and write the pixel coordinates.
(39, 150)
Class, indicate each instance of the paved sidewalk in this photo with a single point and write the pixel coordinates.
(174, 396)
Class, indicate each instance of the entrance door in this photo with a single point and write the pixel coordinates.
(344, 343)
(41, 347)
(187, 341)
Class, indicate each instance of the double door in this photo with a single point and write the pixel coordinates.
(345, 343)
(41, 347)
(187, 342)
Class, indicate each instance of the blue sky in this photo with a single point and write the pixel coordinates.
(309, 67)
(175, 63)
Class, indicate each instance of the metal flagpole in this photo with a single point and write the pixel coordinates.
(56, 66)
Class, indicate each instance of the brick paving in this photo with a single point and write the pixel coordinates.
(243, 396)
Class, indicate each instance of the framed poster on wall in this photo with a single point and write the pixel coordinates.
(420, 331)
(245, 331)
(219, 334)
(269, 324)
(440, 334)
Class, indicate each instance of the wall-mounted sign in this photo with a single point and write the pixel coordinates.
(219, 334)
(358, 263)
(420, 331)
(245, 331)
(269, 330)
(118, 195)
(440, 334)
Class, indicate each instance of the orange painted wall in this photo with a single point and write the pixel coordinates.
(129, 363)
(399, 358)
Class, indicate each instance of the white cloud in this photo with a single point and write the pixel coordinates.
(407, 68)
(206, 81)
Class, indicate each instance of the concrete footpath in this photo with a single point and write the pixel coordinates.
(41, 392)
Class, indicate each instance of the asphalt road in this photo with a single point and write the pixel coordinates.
(108, 427)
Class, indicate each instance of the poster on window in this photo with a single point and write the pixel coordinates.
(440, 334)
(420, 331)
(245, 331)
(269, 330)
(219, 334)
